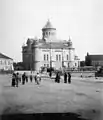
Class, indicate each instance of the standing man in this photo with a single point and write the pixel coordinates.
(81, 75)
(23, 78)
(17, 79)
(13, 80)
(65, 77)
(69, 78)
(57, 79)
(50, 74)
(38, 78)
(31, 77)
(26, 78)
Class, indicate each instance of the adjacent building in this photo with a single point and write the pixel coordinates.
(94, 60)
(6, 63)
(49, 51)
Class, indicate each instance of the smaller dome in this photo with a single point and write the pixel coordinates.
(35, 38)
(69, 42)
(29, 41)
(34, 42)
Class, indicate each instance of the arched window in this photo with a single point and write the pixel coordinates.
(44, 57)
(0, 61)
(67, 57)
(47, 65)
(56, 57)
(5, 62)
(59, 57)
(46, 33)
(47, 57)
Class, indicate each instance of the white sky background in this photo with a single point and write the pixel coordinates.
(80, 19)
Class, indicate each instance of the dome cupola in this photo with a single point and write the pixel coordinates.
(48, 26)
(48, 32)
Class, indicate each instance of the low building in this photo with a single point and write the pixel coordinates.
(49, 51)
(6, 63)
(94, 60)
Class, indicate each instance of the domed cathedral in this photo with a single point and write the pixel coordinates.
(49, 51)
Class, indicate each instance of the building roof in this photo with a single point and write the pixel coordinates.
(54, 45)
(96, 57)
(4, 56)
(48, 25)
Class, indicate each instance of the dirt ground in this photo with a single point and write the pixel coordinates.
(84, 96)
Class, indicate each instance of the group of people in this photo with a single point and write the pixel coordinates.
(17, 78)
(67, 77)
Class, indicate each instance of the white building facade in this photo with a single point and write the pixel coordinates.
(49, 51)
(6, 63)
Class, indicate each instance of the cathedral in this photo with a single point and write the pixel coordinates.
(49, 51)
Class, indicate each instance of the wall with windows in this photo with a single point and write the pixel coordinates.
(59, 58)
(65, 54)
(6, 64)
(49, 34)
(97, 63)
(56, 58)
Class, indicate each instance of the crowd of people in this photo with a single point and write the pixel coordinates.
(17, 78)
(67, 77)
(24, 78)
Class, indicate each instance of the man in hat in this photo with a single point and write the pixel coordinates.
(69, 78)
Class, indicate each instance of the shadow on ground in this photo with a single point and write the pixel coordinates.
(42, 116)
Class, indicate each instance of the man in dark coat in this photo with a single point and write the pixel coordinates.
(57, 79)
(13, 80)
(65, 77)
(69, 78)
(26, 77)
(17, 79)
(50, 74)
(31, 77)
(35, 78)
(23, 78)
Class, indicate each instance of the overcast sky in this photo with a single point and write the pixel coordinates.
(80, 19)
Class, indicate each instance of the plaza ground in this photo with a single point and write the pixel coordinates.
(84, 96)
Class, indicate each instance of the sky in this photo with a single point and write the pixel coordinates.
(82, 20)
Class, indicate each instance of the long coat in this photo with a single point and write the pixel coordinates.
(65, 77)
(13, 80)
(57, 79)
(69, 78)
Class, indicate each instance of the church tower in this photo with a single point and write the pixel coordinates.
(48, 32)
